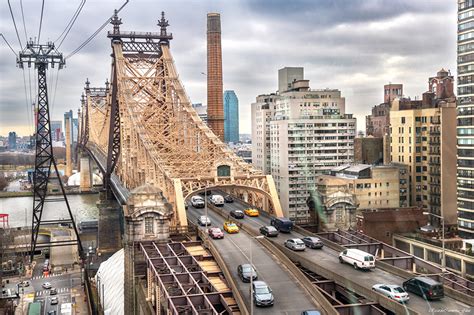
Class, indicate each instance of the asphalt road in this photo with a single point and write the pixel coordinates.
(290, 298)
(328, 258)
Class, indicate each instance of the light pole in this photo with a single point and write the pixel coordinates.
(251, 274)
(443, 260)
(205, 203)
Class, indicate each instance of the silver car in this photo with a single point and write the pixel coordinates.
(204, 221)
(295, 244)
(393, 292)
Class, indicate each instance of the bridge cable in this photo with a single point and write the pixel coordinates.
(26, 100)
(90, 38)
(71, 23)
(23, 18)
(14, 24)
(8, 44)
(41, 21)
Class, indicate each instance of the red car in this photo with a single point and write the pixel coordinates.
(215, 232)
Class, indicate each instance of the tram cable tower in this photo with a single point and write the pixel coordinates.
(41, 56)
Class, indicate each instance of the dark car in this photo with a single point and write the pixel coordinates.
(206, 193)
(246, 271)
(425, 287)
(269, 231)
(228, 199)
(312, 242)
(53, 291)
(262, 294)
(238, 214)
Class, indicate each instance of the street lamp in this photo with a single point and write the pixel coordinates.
(251, 275)
(443, 260)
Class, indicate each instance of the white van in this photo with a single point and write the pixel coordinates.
(357, 258)
(197, 202)
(217, 200)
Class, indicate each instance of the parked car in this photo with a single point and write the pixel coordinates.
(295, 244)
(53, 291)
(238, 214)
(312, 242)
(204, 221)
(269, 231)
(394, 292)
(54, 300)
(23, 284)
(230, 227)
(283, 225)
(251, 212)
(262, 294)
(311, 312)
(228, 199)
(425, 287)
(197, 202)
(46, 285)
(217, 200)
(215, 232)
(246, 271)
(357, 258)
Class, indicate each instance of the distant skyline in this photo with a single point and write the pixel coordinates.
(355, 46)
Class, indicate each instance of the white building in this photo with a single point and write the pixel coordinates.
(298, 134)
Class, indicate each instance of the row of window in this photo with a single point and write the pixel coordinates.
(466, 173)
(466, 121)
(465, 69)
(469, 110)
(465, 58)
(466, 194)
(466, 36)
(465, 15)
(465, 90)
(465, 131)
(465, 5)
(466, 152)
(465, 47)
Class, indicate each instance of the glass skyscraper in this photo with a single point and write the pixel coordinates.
(465, 117)
(231, 117)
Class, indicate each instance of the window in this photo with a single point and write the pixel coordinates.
(149, 225)
(403, 120)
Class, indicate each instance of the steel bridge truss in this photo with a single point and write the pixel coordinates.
(155, 136)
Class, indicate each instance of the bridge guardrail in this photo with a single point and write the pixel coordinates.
(317, 297)
(220, 261)
(455, 294)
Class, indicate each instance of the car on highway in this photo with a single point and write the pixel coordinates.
(282, 224)
(312, 242)
(246, 271)
(206, 192)
(228, 199)
(23, 284)
(394, 292)
(251, 212)
(311, 312)
(262, 294)
(217, 200)
(204, 220)
(238, 214)
(269, 231)
(357, 258)
(53, 291)
(215, 232)
(197, 202)
(46, 285)
(54, 300)
(230, 227)
(425, 287)
(295, 244)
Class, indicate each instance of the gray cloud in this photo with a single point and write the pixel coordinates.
(356, 46)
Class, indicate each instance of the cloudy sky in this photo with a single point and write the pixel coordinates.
(355, 46)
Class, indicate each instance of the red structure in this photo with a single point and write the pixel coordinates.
(4, 220)
(215, 101)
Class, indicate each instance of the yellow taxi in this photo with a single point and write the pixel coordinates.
(251, 212)
(230, 227)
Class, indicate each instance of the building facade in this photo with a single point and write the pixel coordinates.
(360, 186)
(299, 134)
(378, 123)
(231, 117)
(368, 150)
(465, 119)
(57, 130)
(421, 136)
(12, 140)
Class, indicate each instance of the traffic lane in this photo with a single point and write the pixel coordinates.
(258, 221)
(328, 259)
(290, 298)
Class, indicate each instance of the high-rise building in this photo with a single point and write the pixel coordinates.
(12, 140)
(421, 136)
(201, 110)
(215, 108)
(299, 134)
(231, 117)
(465, 119)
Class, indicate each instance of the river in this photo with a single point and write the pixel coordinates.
(19, 209)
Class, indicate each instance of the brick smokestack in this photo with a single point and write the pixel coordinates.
(215, 106)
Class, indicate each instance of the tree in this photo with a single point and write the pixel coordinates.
(3, 181)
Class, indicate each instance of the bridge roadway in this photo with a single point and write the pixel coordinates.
(290, 298)
(328, 258)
